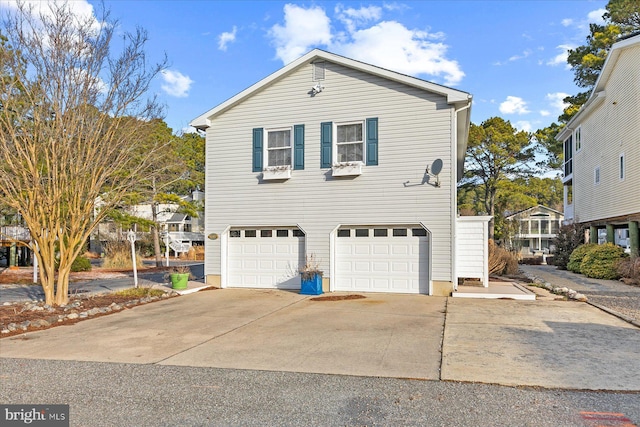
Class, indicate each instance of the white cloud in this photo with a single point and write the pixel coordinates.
(387, 44)
(524, 54)
(353, 18)
(391, 45)
(561, 58)
(544, 113)
(303, 28)
(523, 125)
(225, 38)
(556, 101)
(595, 16)
(513, 105)
(567, 22)
(176, 84)
(81, 9)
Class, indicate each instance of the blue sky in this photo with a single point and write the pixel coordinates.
(510, 55)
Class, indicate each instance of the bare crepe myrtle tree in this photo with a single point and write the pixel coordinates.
(73, 116)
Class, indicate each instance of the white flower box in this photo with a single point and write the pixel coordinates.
(276, 173)
(347, 169)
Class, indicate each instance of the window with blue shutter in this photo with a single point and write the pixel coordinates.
(326, 141)
(298, 147)
(372, 141)
(257, 149)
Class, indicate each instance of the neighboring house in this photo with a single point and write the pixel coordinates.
(534, 229)
(14, 241)
(183, 230)
(331, 157)
(602, 152)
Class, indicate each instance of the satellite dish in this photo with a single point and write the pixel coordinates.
(436, 167)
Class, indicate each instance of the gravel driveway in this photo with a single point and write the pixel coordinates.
(612, 294)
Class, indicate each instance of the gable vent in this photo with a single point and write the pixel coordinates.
(318, 71)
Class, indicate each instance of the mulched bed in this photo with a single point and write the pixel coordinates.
(13, 313)
(337, 298)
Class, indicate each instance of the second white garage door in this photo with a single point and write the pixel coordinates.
(382, 259)
(265, 258)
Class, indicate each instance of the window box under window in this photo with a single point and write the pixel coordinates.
(276, 172)
(347, 169)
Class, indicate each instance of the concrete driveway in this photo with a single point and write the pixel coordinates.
(556, 344)
(380, 335)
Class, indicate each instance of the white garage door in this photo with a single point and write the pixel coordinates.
(265, 258)
(382, 259)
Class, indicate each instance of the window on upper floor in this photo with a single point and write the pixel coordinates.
(577, 138)
(596, 176)
(622, 171)
(347, 146)
(278, 148)
(276, 151)
(349, 142)
(568, 156)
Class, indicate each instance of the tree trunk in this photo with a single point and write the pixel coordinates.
(492, 210)
(156, 235)
(62, 286)
(156, 246)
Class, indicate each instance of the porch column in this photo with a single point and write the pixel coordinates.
(593, 234)
(13, 255)
(634, 239)
(610, 234)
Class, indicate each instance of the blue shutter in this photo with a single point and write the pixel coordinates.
(257, 149)
(298, 147)
(372, 142)
(326, 140)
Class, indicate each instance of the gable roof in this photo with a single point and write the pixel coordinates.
(460, 100)
(598, 92)
(533, 208)
(454, 96)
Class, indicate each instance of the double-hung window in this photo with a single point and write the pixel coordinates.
(349, 142)
(346, 147)
(278, 147)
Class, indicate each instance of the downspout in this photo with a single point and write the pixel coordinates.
(454, 195)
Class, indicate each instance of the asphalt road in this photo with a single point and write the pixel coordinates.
(14, 293)
(110, 394)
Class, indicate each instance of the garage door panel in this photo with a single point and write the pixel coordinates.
(265, 262)
(381, 263)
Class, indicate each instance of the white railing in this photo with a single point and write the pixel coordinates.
(14, 232)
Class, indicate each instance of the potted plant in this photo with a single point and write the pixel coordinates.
(179, 276)
(311, 277)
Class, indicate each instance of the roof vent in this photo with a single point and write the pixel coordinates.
(318, 71)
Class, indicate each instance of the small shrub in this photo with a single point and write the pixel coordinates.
(117, 254)
(81, 263)
(568, 239)
(602, 261)
(629, 270)
(140, 292)
(501, 261)
(195, 253)
(575, 260)
(531, 261)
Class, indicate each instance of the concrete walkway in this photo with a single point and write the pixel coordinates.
(558, 344)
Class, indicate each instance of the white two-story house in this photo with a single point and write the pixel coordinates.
(602, 152)
(337, 159)
(533, 230)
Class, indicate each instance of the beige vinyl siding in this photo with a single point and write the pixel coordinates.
(414, 129)
(613, 128)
